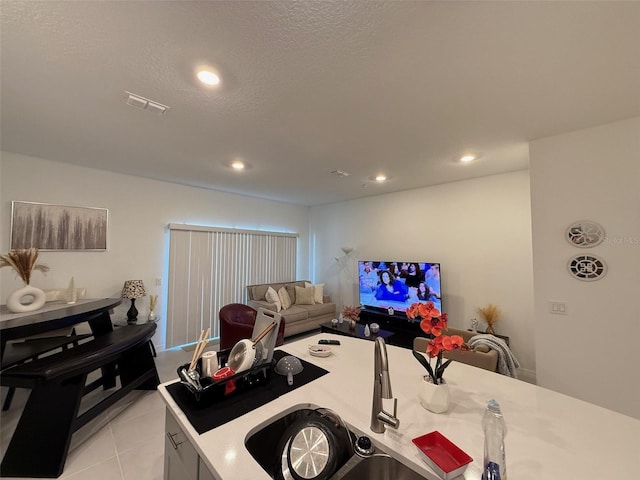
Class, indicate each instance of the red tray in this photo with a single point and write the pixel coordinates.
(446, 459)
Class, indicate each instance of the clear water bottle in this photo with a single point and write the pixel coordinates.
(495, 429)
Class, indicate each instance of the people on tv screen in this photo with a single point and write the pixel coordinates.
(398, 284)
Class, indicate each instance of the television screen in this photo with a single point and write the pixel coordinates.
(384, 284)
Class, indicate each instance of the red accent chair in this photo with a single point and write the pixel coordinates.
(236, 323)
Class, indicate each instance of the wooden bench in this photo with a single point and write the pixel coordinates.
(58, 382)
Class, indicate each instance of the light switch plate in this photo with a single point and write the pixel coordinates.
(558, 308)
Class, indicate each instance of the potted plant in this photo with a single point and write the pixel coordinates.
(434, 393)
(352, 315)
(153, 302)
(23, 261)
(490, 314)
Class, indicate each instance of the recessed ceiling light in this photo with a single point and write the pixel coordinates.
(379, 178)
(208, 77)
(237, 165)
(467, 158)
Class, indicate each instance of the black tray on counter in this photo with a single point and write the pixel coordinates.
(210, 411)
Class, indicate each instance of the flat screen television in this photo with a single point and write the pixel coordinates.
(384, 284)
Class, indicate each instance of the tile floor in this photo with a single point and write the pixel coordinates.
(127, 444)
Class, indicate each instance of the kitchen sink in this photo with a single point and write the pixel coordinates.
(377, 467)
(262, 442)
(266, 444)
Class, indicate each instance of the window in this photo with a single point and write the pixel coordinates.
(211, 267)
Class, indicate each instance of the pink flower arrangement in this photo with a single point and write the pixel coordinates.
(351, 313)
(433, 323)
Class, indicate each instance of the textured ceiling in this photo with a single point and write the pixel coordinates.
(309, 87)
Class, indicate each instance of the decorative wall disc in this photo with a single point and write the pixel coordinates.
(585, 234)
(587, 267)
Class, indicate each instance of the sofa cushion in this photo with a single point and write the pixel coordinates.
(259, 292)
(291, 290)
(481, 348)
(272, 297)
(320, 309)
(318, 291)
(304, 296)
(285, 299)
(295, 313)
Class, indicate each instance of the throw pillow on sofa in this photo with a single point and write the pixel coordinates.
(304, 296)
(285, 299)
(318, 291)
(272, 297)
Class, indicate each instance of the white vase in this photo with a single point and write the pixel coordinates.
(434, 398)
(34, 299)
(152, 316)
(71, 295)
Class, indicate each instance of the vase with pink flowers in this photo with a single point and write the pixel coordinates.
(434, 391)
(351, 314)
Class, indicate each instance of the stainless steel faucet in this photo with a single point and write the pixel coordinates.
(382, 389)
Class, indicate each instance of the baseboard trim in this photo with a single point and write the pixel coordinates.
(528, 376)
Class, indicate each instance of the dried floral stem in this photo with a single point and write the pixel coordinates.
(153, 300)
(490, 313)
(351, 313)
(23, 261)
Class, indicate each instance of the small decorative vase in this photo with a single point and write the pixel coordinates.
(434, 398)
(352, 324)
(152, 316)
(71, 295)
(490, 330)
(34, 297)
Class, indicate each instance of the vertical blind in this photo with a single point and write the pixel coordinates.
(211, 267)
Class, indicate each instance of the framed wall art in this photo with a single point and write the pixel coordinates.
(58, 227)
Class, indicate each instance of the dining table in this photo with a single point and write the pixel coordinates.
(24, 335)
(55, 316)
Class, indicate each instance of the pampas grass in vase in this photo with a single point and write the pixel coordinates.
(153, 301)
(490, 314)
(27, 298)
(23, 261)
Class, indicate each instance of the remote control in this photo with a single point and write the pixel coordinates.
(329, 342)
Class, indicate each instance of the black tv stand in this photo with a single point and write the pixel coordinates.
(404, 329)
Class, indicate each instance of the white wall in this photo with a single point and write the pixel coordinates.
(478, 229)
(139, 211)
(592, 353)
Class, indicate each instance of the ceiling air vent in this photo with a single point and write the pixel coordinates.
(137, 101)
(339, 173)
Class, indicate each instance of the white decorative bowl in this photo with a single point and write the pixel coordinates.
(319, 350)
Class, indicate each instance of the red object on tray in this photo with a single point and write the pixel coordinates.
(223, 373)
(442, 455)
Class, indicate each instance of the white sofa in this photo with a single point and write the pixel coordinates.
(299, 317)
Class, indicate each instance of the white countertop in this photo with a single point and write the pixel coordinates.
(550, 435)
